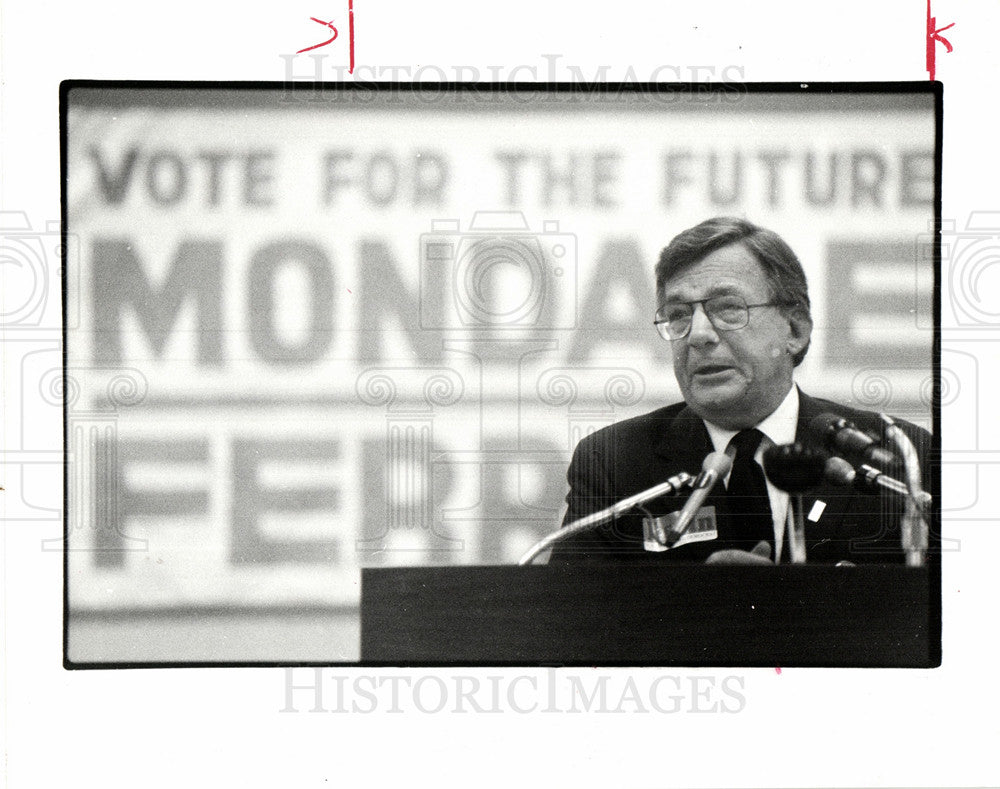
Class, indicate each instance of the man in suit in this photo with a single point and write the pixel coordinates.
(734, 305)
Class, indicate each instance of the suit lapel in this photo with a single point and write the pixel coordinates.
(685, 442)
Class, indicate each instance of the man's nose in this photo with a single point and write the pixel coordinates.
(702, 331)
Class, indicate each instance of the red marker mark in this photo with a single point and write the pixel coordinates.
(335, 34)
(350, 21)
(777, 670)
(350, 30)
(933, 37)
(350, 291)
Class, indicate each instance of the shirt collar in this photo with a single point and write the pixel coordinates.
(779, 427)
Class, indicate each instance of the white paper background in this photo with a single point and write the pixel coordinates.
(801, 728)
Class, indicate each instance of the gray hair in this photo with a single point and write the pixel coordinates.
(785, 278)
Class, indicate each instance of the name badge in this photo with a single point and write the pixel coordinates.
(655, 530)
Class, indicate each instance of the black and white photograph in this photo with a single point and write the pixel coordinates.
(326, 337)
(512, 395)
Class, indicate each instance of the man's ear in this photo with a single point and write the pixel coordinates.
(800, 330)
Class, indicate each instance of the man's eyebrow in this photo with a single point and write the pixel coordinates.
(719, 289)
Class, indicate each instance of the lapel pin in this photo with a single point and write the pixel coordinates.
(817, 510)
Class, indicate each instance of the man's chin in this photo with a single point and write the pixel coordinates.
(715, 400)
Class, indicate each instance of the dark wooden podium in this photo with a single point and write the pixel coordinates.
(677, 615)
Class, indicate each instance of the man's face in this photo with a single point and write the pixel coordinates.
(734, 378)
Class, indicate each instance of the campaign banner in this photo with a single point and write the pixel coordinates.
(310, 332)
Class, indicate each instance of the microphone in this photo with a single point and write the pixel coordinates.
(840, 472)
(796, 468)
(840, 435)
(713, 468)
(674, 484)
(913, 526)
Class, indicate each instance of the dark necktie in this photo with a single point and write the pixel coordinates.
(746, 494)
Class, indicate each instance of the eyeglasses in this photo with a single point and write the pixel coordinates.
(727, 313)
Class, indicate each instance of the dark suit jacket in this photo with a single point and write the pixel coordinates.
(636, 454)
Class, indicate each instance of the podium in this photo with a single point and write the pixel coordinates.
(671, 615)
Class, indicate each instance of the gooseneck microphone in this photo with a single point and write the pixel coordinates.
(913, 526)
(839, 472)
(796, 468)
(839, 435)
(673, 485)
(715, 466)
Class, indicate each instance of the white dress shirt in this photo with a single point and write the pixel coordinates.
(778, 429)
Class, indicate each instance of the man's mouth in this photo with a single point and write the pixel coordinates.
(712, 369)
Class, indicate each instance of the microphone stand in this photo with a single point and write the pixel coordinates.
(797, 535)
(795, 469)
(674, 484)
(914, 526)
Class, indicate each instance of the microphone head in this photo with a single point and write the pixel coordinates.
(824, 427)
(713, 468)
(719, 462)
(795, 467)
(843, 437)
(839, 472)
